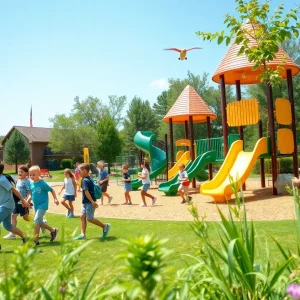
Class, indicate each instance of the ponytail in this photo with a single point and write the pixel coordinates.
(146, 164)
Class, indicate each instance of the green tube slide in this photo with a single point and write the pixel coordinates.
(193, 169)
(143, 140)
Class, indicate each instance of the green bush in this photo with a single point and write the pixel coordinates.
(78, 158)
(67, 164)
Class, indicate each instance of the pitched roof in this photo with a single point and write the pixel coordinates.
(33, 134)
(189, 103)
(237, 67)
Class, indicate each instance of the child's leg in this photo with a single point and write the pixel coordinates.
(83, 224)
(26, 217)
(143, 196)
(181, 194)
(126, 199)
(71, 207)
(14, 219)
(128, 196)
(106, 194)
(148, 195)
(39, 222)
(24, 213)
(63, 202)
(90, 210)
(5, 218)
(102, 196)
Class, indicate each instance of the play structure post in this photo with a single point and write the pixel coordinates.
(171, 142)
(192, 145)
(239, 98)
(186, 132)
(210, 169)
(291, 98)
(262, 161)
(224, 114)
(272, 135)
(167, 154)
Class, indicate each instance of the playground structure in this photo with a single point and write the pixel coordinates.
(238, 70)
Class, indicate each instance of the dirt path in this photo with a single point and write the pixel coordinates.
(260, 203)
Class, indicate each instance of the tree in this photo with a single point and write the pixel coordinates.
(268, 31)
(116, 107)
(161, 107)
(140, 116)
(110, 142)
(16, 150)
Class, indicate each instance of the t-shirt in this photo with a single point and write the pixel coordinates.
(87, 185)
(126, 176)
(147, 179)
(183, 175)
(23, 186)
(39, 193)
(103, 174)
(6, 198)
(69, 187)
(77, 173)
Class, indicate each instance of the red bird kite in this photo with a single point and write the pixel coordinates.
(182, 55)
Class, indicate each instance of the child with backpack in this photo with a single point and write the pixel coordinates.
(183, 189)
(89, 204)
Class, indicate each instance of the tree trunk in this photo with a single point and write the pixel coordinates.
(108, 167)
(16, 170)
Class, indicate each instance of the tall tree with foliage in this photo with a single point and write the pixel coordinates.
(16, 150)
(161, 107)
(110, 142)
(140, 116)
(116, 107)
(268, 31)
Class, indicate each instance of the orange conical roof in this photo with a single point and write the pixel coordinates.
(236, 67)
(189, 103)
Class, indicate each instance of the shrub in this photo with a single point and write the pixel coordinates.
(78, 158)
(66, 163)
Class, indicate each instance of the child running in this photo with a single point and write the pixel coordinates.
(39, 195)
(89, 204)
(70, 192)
(77, 176)
(145, 176)
(103, 181)
(23, 187)
(183, 189)
(127, 185)
(7, 204)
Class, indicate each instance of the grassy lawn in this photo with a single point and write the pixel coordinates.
(104, 253)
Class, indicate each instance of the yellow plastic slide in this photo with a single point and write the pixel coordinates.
(239, 165)
(184, 159)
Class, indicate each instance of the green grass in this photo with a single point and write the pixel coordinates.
(104, 253)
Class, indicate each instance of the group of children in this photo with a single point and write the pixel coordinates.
(16, 198)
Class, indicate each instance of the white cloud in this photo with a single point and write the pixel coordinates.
(160, 84)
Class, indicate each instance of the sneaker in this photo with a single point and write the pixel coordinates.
(37, 243)
(125, 203)
(143, 205)
(68, 213)
(10, 236)
(43, 230)
(79, 237)
(109, 199)
(190, 199)
(183, 201)
(129, 203)
(53, 235)
(154, 200)
(105, 232)
(24, 240)
(70, 216)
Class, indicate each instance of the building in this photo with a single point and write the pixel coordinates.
(38, 139)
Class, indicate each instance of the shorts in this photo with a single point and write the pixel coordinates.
(185, 188)
(20, 210)
(39, 216)
(5, 217)
(69, 197)
(127, 187)
(104, 186)
(88, 210)
(146, 187)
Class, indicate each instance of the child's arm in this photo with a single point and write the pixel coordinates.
(88, 195)
(75, 186)
(62, 189)
(16, 192)
(54, 196)
(142, 175)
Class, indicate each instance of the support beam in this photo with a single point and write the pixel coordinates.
(167, 155)
(192, 145)
(186, 132)
(239, 98)
(171, 142)
(272, 135)
(262, 160)
(291, 98)
(224, 114)
(210, 168)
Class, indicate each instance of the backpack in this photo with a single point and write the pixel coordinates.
(97, 191)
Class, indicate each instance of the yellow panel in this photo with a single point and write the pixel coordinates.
(283, 111)
(183, 142)
(285, 141)
(86, 155)
(242, 113)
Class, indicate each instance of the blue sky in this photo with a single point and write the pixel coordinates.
(52, 51)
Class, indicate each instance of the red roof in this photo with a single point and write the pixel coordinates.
(189, 103)
(235, 67)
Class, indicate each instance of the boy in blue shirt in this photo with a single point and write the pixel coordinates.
(103, 181)
(39, 195)
(89, 204)
(7, 204)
